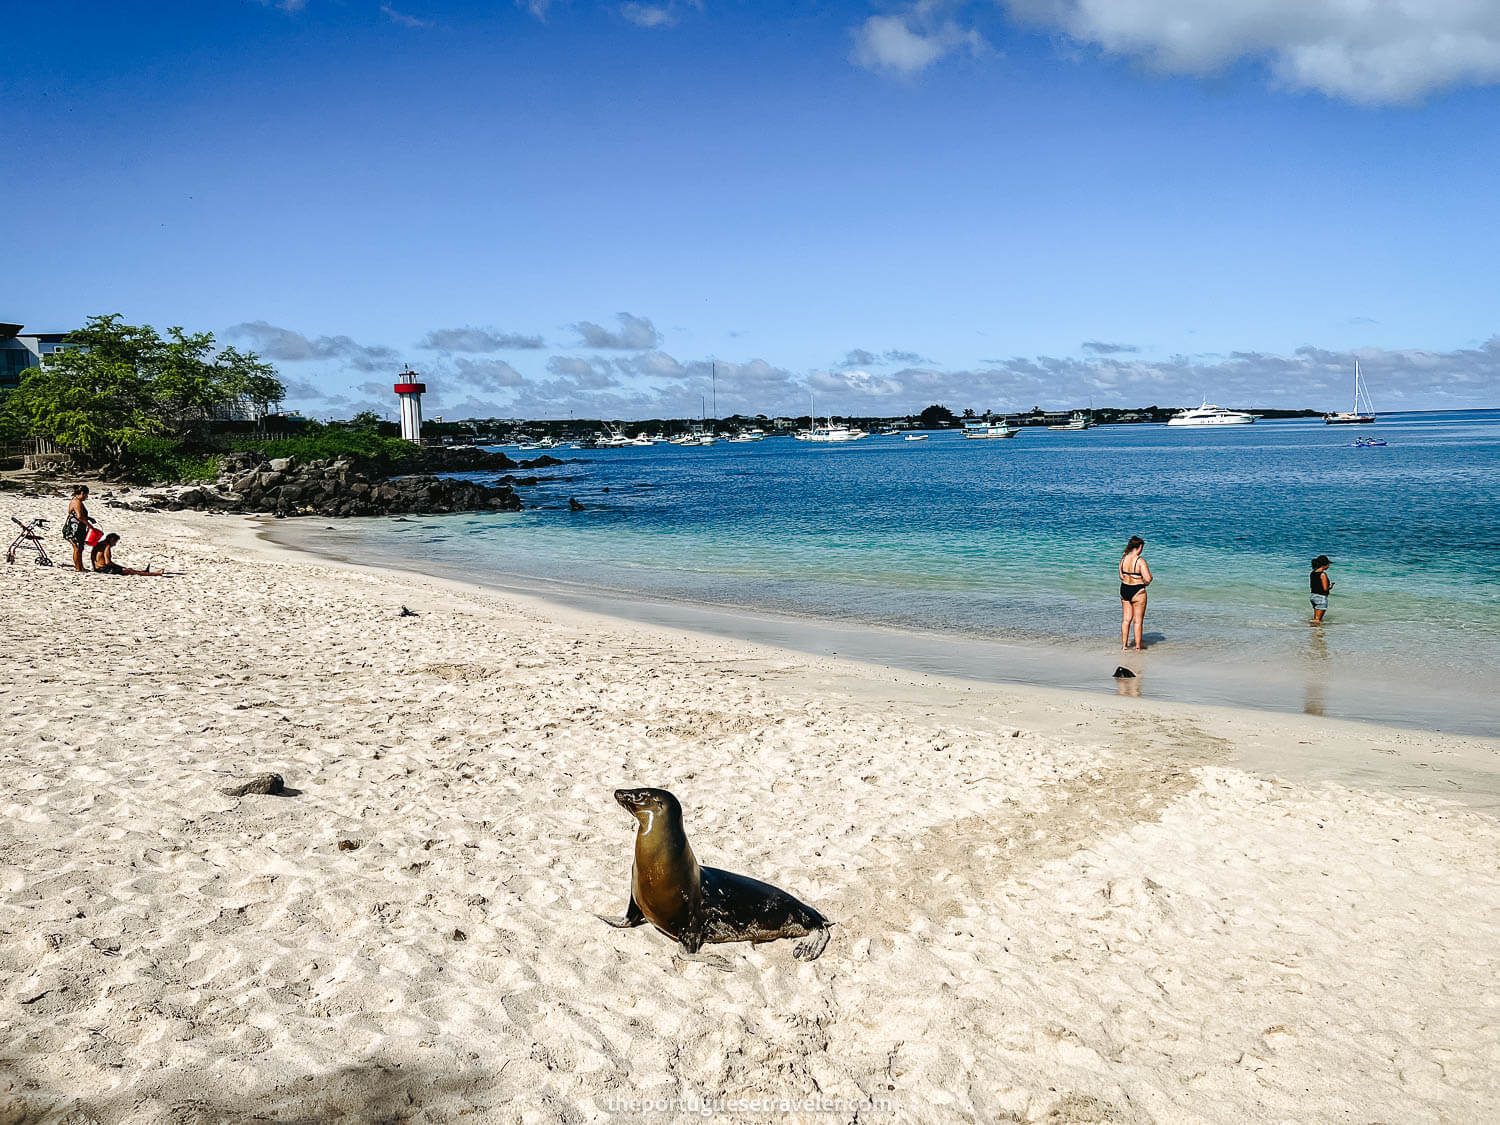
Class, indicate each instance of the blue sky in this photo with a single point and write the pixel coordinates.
(564, 206)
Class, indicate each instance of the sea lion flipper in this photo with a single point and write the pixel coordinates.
(631, 917)
(811, 948)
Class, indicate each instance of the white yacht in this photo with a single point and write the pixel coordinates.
(1076, 422)
(611, 438)
(1207, 415)
(981, 430)
(833, 431)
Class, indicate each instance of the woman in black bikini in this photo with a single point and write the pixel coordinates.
(1135, 576)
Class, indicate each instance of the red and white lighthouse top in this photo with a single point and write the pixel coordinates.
(406, 384)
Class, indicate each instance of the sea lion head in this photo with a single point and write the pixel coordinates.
(650, 806)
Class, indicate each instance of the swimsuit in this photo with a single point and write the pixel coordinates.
(1127, 591)
(77, 531)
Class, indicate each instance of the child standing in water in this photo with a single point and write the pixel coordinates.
(1320, 584)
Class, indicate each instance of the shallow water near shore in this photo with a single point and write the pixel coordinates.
(996, 560)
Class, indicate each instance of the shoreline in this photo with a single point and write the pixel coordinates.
(1051, 905)
(1309, 687)
(1470, 773)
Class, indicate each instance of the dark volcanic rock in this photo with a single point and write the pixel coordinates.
(349, 487)
(454, 459)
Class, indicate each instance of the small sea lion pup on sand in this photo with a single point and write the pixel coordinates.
(701, 905)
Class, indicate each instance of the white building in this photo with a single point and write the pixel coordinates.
(21, 350)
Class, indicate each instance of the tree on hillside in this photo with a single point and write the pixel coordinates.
(366, 421)
(935, 417)
(115, 384)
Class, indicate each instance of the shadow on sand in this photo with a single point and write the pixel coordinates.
(374, 1091)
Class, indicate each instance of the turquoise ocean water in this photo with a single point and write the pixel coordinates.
(1016, 541)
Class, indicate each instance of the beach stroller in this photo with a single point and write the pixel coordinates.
(29, 540)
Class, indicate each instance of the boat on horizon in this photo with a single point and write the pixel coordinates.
(1356, 416)
(981, 430)
(1207, 415)
(915, 437)
(1076, 422)
(831, 432)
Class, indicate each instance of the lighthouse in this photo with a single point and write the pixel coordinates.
(409, 391)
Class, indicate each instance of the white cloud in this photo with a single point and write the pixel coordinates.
(862, 357)
(908, 43)
(537, 8)
(636, 334)
(649, 15)
(402, 18)
(488, 374)
(477, 340)
(274, 342)
(1365, 51)
(657, 365)
(652, 384)
(583, 374)
(860, 383)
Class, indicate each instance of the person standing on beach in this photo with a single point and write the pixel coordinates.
(1321, 585)
(76, 529)
(1135, 576)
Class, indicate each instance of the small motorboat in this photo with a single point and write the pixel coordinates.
(1365, 443)
(915, 437)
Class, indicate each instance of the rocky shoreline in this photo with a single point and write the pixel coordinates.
(254, 484)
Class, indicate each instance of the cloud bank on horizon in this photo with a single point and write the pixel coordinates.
(326, 377)
(1373, 52)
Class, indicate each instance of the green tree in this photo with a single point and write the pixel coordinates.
(12, 423)
(115, 384)
(366, 421)
(90, 404)
(935, 417)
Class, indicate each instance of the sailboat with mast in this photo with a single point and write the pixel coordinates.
(1361, 399)
(831, 432)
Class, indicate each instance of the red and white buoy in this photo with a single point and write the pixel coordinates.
(409, 391)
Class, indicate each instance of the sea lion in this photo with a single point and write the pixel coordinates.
(702, 905)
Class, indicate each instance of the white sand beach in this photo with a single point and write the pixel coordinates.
(1051, 907)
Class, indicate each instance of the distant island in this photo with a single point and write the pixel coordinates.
(504, 431)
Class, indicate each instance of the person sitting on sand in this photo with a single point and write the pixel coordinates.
(1321, 585)
(100, 559)
(1135, 576)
